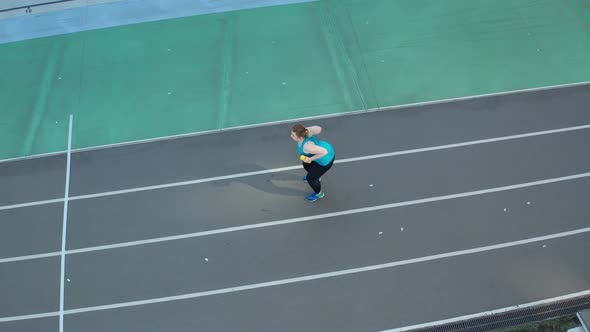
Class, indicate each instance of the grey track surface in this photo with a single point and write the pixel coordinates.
(279, 196)
(29, 231)
(332, 244)
(29, 287)
(367, 301)
(371, 301)
(32, 180)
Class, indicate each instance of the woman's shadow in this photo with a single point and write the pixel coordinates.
(286, 183)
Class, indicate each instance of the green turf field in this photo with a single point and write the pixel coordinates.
(245, 67)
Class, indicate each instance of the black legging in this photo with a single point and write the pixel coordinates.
(315, 172)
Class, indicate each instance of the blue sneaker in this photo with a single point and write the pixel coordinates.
(314, 197)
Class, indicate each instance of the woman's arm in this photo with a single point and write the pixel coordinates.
(313, 130)
(316, 150)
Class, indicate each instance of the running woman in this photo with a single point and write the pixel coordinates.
(319, 157)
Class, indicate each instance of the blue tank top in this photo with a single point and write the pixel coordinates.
(325, 160)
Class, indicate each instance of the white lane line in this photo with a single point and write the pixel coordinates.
(21, 205)
(30, 257)
(290, 168)
(491, 312)
(307, 218)
(25, 317)
(309, 118)
(463, 144)
(186, 183)
(64, 229)
(316, 276)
